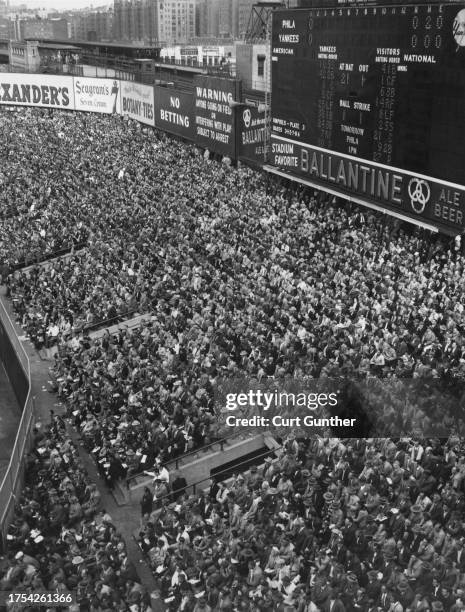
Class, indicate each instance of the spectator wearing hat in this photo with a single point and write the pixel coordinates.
(178, 485)
(373, 586)
(146, 502)
(333, 603)
(202, 605)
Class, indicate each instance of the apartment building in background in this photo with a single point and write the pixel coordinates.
(228, 19)
(223, 18)
(155, 21)
(207, 19)
(42, 28)
(176, 21)
(173, 22)
(163, 22)
(94, 25)
(244, 10)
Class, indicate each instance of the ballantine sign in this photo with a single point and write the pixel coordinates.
(441, 203)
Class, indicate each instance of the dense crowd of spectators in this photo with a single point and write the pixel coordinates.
(46, 178)
(331, 525)
(270, 281)
(134, 399)
(239, 277)
(236, 275)
(61, 540)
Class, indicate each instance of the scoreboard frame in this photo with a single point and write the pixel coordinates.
(420, 197)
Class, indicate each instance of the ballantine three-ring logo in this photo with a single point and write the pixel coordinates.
(459, 29)
(420, 193)
(247, 117)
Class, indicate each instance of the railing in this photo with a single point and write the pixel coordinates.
(176, 461)
(129, 70)
(12, 480)
(218, 68)
(228, 472)
(119, 318)
(69, 250)
(228, 71)
(48, 68)
(61, 340)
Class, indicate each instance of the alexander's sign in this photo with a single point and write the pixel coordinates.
(37, 90)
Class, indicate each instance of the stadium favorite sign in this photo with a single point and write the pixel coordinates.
(422, 198)
(37, 90)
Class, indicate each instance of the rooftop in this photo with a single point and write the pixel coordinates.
(87, 43)
(58, 47)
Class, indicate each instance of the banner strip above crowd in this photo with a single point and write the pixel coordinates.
(37, 90)
(355, 200)
(174, 112)
(418, 199)
(251, 124)
(214, 117)
(97, 95)
(137, 102)
(215, 114)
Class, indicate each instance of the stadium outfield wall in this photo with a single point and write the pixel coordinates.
(209, 116)
(214, 117)
(17, 365)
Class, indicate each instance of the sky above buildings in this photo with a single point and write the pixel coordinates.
(60, 5)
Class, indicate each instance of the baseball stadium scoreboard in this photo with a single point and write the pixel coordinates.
(368, 102)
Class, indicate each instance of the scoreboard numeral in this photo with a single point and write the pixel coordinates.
(428, 22)
(439, 22)
(415, 22)
(438, 41)
(427, 41)
(414, 41)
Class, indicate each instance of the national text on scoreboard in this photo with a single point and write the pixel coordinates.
(381, 87)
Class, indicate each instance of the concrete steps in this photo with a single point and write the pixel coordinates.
(180, 463)
(132, 323)
(196, 467)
